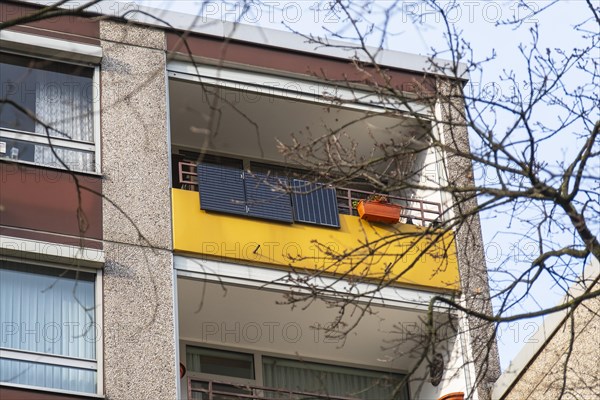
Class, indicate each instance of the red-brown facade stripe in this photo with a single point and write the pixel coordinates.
(45, 200)
(74, 28)
(286, 61)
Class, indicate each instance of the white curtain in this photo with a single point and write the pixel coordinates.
(48, 314)
(329, 380)
(76, 160)
(64, 102)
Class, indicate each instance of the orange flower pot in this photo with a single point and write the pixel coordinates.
(453, 396)
(375, 211)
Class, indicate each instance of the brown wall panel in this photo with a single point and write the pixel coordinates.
(68, 27)
(45, 199)
(286, 61)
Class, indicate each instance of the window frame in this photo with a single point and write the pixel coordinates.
(258, 364)
(96, 365)
(32, 137)
(216, 377)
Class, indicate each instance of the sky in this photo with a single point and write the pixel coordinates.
(417, 30)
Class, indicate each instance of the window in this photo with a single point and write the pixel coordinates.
(220, 362)
(41, 92)
(233, 367)
(225, 186)
(331, 380)
(48, 323)
(226, 373)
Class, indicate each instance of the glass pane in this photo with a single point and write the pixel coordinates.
(220, 362)
(40, 154)
(47, 310)
(59, 95)
(48, 376)
(332, 380)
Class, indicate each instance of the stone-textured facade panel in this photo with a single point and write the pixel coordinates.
(139, 346)
(568, 366)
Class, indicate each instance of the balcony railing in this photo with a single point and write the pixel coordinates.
(215, 390)
(420, 212)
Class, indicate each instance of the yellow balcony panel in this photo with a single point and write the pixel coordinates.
(399, 254)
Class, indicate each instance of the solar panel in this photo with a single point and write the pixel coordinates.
(315, 203)
(268, 197)
(221, 188)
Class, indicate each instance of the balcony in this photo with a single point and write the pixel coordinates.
(247, 343)
(254, 219)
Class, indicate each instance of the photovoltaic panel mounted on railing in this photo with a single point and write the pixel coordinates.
(315, 203)
(267, 197)
(221, 188)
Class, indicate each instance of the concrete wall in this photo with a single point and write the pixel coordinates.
(553, 371)
(469, 242)
(139, 344)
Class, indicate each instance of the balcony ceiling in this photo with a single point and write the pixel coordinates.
(249, 124)
(254, 319)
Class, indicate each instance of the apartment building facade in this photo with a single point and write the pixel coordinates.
(560, 359)
(145, 256)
